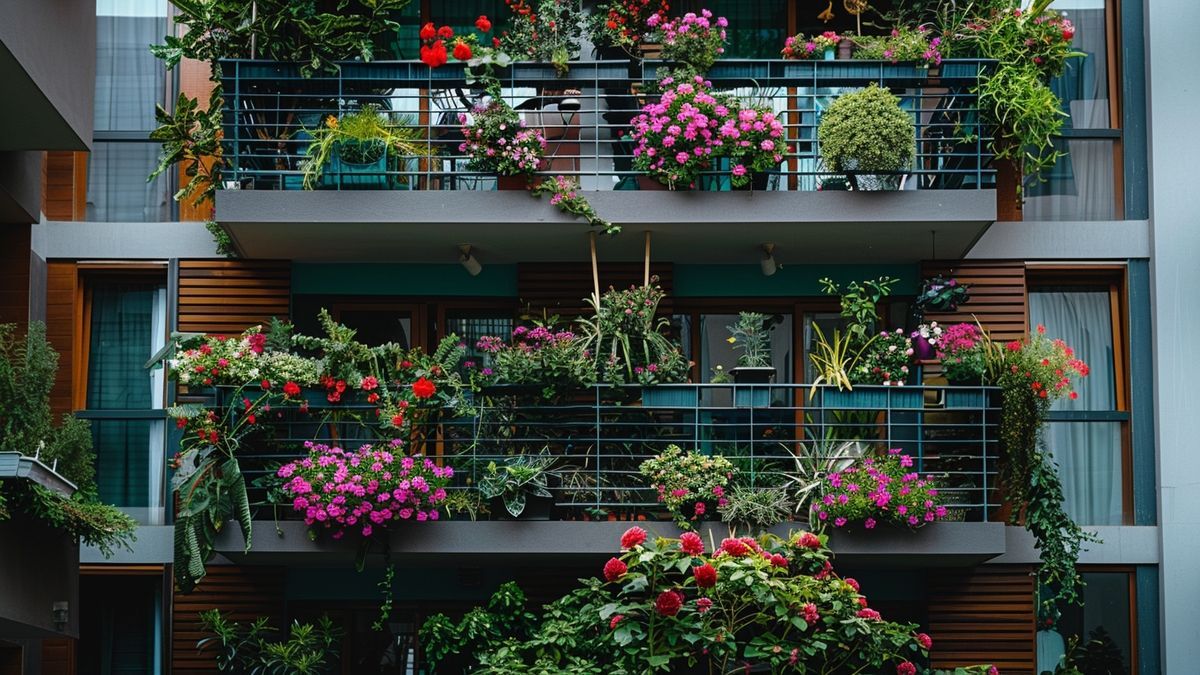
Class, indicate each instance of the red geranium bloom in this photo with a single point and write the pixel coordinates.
(369, 382)
(668, 603)
(614, 569)
(434, 56)
(428, 31)
(423, 388)
(869, 614)
(372, 397)
(735, 547)
(703, 605)
(291, 390)
(266, 385)
(634, 536)
(483, 24)
(462, 51)
(705, 575)
(445, 32)
(810, 540)
(397, 420)
(906, 668)
(924, 640)
(612, 623)
(852, 583)
(691, 543)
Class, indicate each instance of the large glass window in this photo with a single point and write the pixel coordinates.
(715, 350)
(1101, 624)
(130, 82)
(1083, 185)
(121, 625)
(1087, 448)
(125, 326)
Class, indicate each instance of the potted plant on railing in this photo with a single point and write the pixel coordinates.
(521, 484)
(940, 295)
(961, 353)
(692, 42)
(497, 141)
(884, 362)
(867, 136)
(754, 143)
(625, 24)
(690, 485)
(903, 45)
(878, 491)
(550, 361)
(355, 150)
(751, 337)
(547, 31)
(677, 138)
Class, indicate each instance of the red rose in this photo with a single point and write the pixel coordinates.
(735, 547)
(423, 388)
(397, 420)
(445, 32)
(924, 640)
(668, 603)
(852, 583)
(634, 536)
(810, 540)
(372, 397)
(705, 575)
(869, 614)
(691, 543)
(428, 31)
(462, 51)
(614, 569)
(779, 561)
(291, 390)
(906, 668)
(483, 24)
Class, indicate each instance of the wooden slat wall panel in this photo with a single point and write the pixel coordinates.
(229, 296)
(997, 295)
(194, 81)
(984, 615)
(243, 593)
(63, 306)
(64, 190)
(14, 275)
(561, 288)
(58, 657)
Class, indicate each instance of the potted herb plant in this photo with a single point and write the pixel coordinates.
(521, 483)
(497, 141)
(751, 336)
(867, 136)
(353, 151)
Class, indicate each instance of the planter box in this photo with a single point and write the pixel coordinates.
(874, 399)
(753, 375)
(971, 398)
(343, 175)
(669, 396)
(752, 397)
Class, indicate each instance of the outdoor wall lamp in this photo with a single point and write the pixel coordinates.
(60, 613)
(467, 259)
(768, 264)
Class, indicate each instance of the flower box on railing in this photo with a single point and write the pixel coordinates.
(670, 396)
(873, 398)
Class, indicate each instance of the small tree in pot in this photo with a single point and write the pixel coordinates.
(751, 335)
(869, 137)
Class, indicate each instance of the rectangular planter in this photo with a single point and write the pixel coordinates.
(874, 399)
(957, 398)
(346, 176)
(668, 396)
(751, 397)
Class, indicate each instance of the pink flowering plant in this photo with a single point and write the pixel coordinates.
(691, 485)
(565, 195)
(799, 47)
(677, 138)
(213, 360)
(753, 140)
(695, 40)
(542, 355)
(960, 350)
(365, 489)
(497, 140)
(885, 360)
(879, 491)
(904, 43)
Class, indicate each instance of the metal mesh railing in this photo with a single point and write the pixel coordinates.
(271, 111)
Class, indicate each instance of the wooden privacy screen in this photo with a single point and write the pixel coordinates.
(562, 288)
(242, 593)
(983, 615)
(997, 295)
(64, 307)
(14, 275)
(228, 296)
(64, 185)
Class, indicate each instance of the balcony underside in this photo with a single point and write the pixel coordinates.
(506, 227)
(943, 544)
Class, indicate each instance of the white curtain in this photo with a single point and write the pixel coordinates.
(1088, 453)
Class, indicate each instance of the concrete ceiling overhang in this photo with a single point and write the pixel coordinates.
(699, 227)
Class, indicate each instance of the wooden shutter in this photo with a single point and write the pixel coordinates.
(64, 312)
(14, 275)
(64, 185)
(997, 295)
(58, 656)
(561, 288)
(228, 296)
(242, 593)
(984, 615)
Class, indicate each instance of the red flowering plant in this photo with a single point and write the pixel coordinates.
(678, 137)
(476, 49)
(878, 491)
(904, 43)
(363, 490)
(544, 30)
(626, 23)
(667, 605)
(497, 140)
(690, 485)
(212, 360)
(884, 360)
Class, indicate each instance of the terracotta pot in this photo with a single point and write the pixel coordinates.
(519, 182)
(650, 50)
(845, 50)
(648, 183)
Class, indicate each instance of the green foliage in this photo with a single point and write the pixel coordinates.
(866, 131)
(816, 460)
(191, 137)
(479, 628)
(361, 137)
(564, 193)
(516, 479)
(27, 368)
(629, 340)
(255, 648)
(751, 336)
(691, 485)
(859, 302)
(1059, 539)
(90, 521)
(756, 508)
(835, 360)
(550, 33)
(221, 238)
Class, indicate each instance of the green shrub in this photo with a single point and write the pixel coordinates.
(866, 131)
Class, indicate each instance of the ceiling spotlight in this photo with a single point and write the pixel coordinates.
(768, 260)
(467, 259)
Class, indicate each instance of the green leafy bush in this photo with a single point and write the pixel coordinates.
(867, 131)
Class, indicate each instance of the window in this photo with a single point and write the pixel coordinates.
(470, 325)
(120, 624)
(130, 82)
(711, 335)
(1085, 184)
(1087, 436)
(1102, 623)
(124, 324)
(380, 323)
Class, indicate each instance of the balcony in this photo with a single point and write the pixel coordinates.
(598, 438)
(384, 212)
